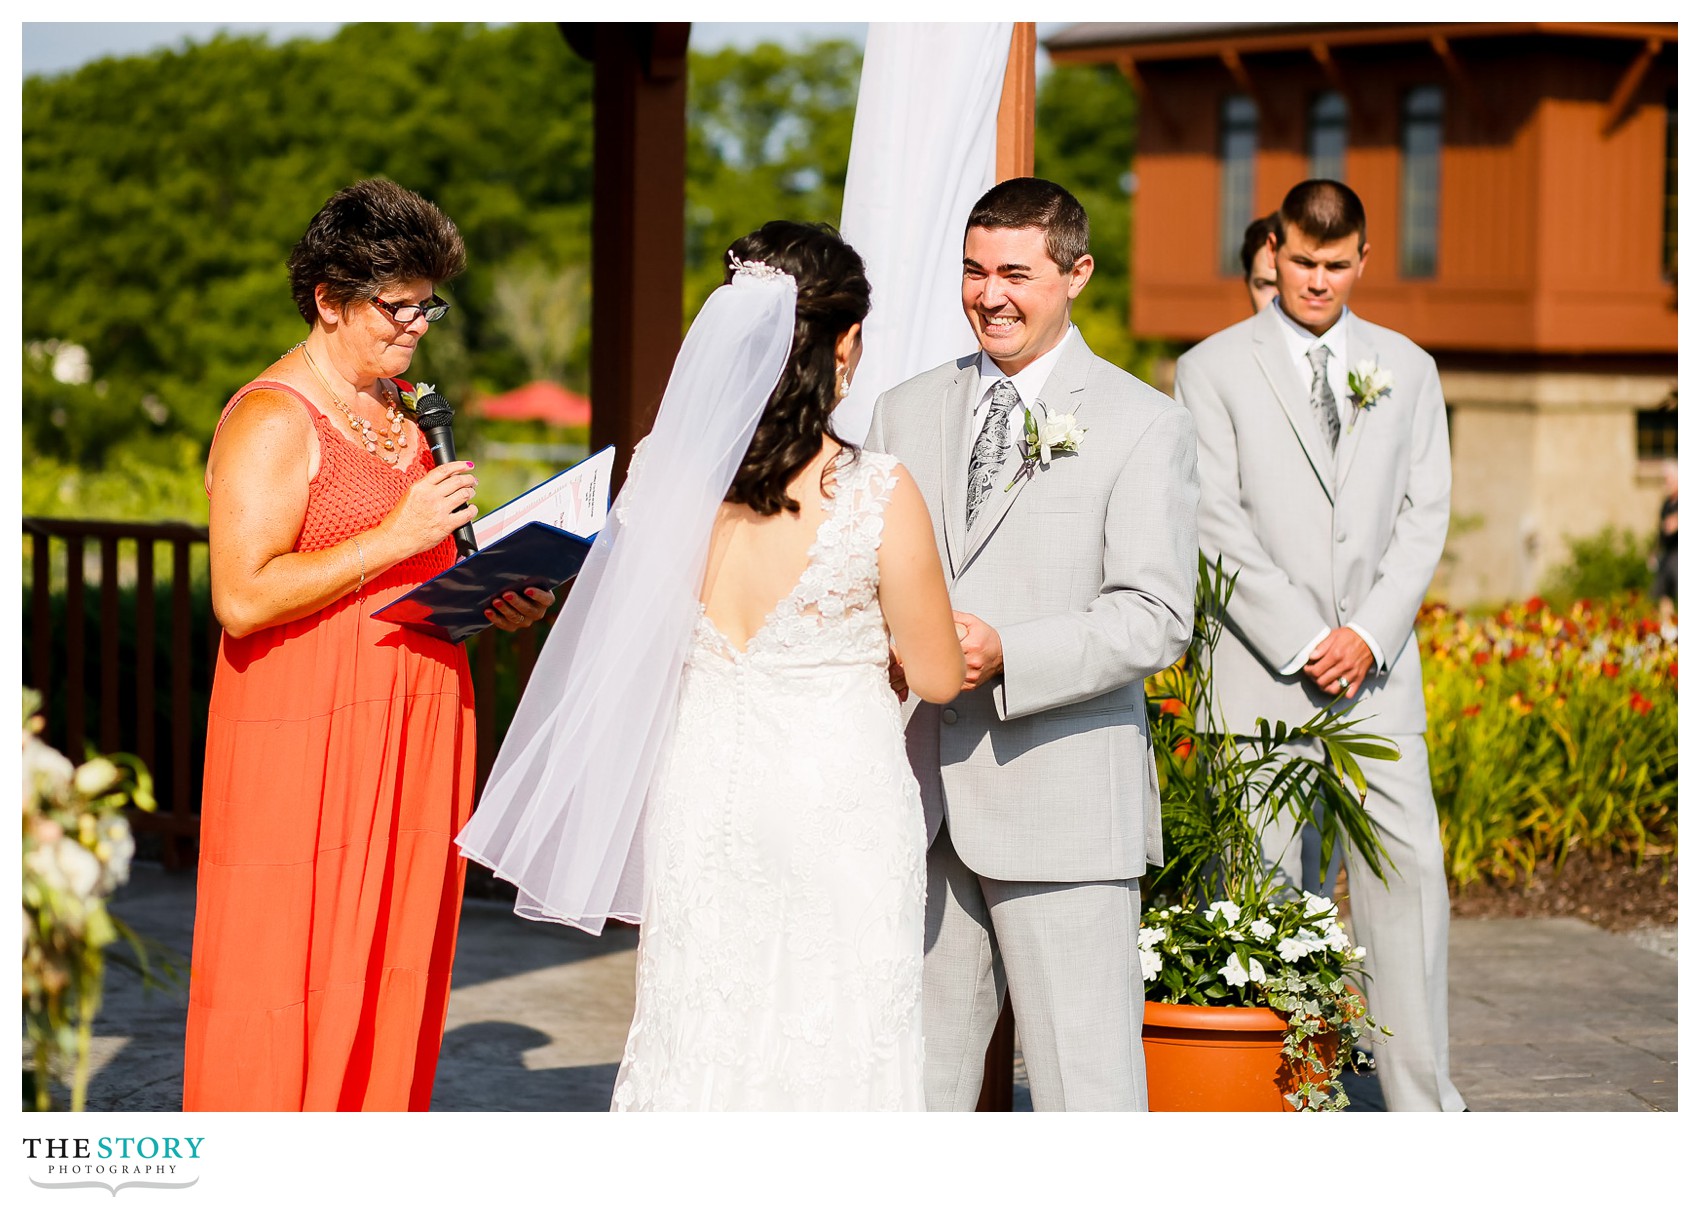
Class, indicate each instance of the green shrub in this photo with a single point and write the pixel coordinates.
(1609, 562)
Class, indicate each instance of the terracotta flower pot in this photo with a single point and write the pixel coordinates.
(1217, 1059)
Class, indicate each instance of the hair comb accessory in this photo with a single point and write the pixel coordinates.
(758, 270)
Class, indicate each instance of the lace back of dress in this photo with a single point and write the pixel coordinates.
(833, 614)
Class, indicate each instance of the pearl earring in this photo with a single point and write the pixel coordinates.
(843, 384)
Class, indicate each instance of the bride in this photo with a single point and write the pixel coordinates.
(709, 743)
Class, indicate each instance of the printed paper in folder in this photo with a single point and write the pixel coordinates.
(540, 538)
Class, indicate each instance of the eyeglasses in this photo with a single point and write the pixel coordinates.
(433, 309)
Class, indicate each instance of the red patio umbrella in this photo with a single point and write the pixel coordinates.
(540, 400)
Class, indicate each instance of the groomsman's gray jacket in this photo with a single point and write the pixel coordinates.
(1319, 538)
(1086, 569)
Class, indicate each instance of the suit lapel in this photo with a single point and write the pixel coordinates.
(1064, 392)
(1358, 349)
(955, 417)
(1269, 344)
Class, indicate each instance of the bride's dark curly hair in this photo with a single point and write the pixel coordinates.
(832, 294)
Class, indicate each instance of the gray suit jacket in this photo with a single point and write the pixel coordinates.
(1086, 569)
(1319, 538)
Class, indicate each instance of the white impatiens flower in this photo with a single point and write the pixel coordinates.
(1150, 937)
(1337, 939)
(1359, 952)
(1256, 969)
(1300, 945)
(1150, 964)
(1234, 973)
(1319, 905)
(1261, 928)
(1227, 911)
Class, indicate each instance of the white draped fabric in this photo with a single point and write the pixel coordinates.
(923, 150)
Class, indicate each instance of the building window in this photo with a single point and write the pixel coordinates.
(1325, 136)
(1655, 435)
(1419, 186)
(1239, 154)
(1670, 184)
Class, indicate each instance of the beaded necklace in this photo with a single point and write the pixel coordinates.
(393, 441)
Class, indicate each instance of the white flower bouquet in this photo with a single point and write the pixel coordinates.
(77, 849)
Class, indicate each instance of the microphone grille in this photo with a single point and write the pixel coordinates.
(432, 410)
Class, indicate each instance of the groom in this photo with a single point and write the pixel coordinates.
(1072, 570)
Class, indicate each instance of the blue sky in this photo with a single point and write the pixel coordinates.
(50, 47)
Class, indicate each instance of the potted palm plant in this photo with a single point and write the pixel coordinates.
(1250, 997)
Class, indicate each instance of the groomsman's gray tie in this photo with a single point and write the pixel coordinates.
(1322, 396)
(990, 446)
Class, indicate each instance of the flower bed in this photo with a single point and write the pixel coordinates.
(1551, 731)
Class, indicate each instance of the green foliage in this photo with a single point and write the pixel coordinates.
(1608, 562)
(1222, 793)
(769, 138)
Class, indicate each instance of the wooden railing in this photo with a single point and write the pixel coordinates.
(118, 688)
(161, 682)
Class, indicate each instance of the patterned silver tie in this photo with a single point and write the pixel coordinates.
(1322, 396)
(990, 446)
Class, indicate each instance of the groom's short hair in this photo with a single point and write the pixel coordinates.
(1324, 210)
(1035, 202)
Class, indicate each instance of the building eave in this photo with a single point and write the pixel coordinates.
(1128, 43)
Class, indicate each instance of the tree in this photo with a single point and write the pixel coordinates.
(769, 138)
(1085, 128)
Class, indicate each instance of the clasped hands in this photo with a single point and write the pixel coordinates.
(1340, 663)
(982, 652)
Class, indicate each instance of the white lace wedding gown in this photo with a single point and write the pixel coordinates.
(779, 965)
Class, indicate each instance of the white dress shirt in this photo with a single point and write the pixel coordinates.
(1300, 342)
(1028, 381)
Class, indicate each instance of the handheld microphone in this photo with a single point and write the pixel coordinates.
(435, 418)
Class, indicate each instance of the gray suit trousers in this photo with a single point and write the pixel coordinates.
(1068, 953)
(1402, 926)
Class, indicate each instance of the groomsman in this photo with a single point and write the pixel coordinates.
(1257, 257)
(1326, 486)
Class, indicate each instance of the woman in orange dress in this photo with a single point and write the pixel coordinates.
(339, 748)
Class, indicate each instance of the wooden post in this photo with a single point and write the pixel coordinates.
(1015, 159)
(637, 223)
(1015, 109)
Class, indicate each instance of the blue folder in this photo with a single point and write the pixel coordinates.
(451, 605)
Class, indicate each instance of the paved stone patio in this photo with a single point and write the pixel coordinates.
(1547, 1015)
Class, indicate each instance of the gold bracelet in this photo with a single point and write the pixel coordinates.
(361, 552)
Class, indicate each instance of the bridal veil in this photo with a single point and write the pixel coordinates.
(560, 814)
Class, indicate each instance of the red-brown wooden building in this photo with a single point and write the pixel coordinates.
(1520, 182)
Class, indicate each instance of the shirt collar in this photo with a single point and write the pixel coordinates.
(1029, 380)
(1300, 340)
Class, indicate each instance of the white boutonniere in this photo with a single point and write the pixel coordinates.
(1057, 434)
(1367, 383)
(412, 396)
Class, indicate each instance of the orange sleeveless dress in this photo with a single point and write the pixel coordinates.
(339, 768)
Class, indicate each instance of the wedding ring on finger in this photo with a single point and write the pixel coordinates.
(1346, 685)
